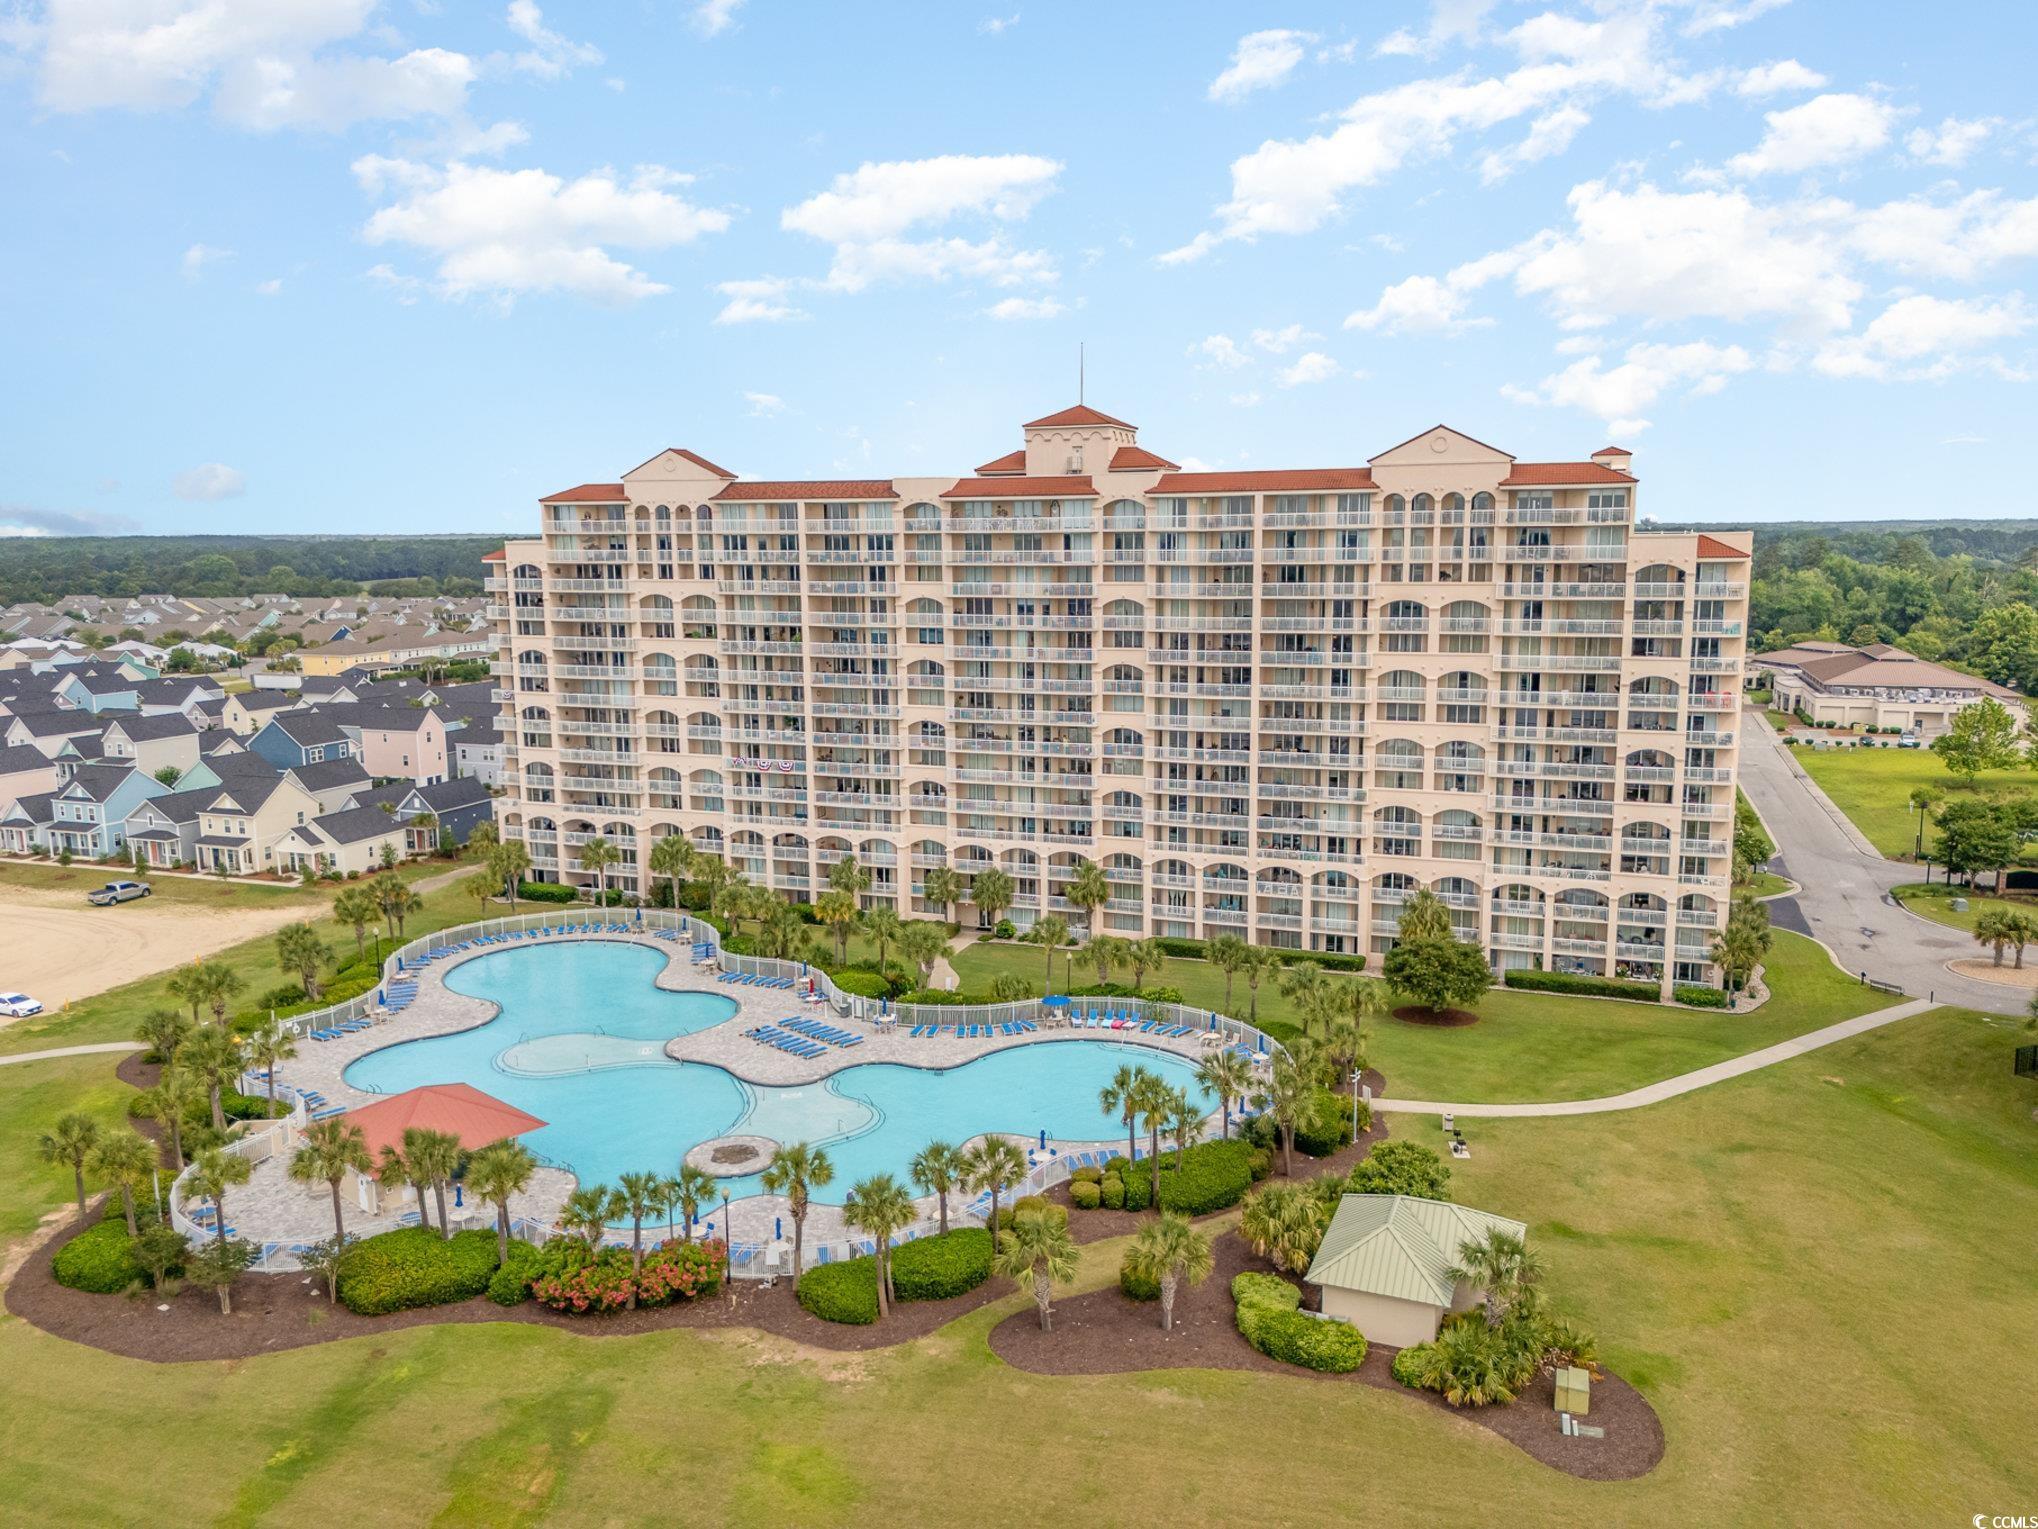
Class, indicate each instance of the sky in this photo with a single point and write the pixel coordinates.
(342, 266)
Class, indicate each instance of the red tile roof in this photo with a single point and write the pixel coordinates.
(821, 488)
(1299, 480)
(692, 456)
(1545, 474)
(600, 493)
(1081, 414)
(459, 1109)
(1611, 451)
(1132, 459)
(1022, 488)
(1010, 462)
(495, 556)
(1712, 546)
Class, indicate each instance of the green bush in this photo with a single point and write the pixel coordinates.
(1120, 1165)
(1402, 1168)
(510, 1285)
(935, 1268)
(1139, 1286)
(861, 981)
(1085, 1194)
(844, 1292)
(1089, 1173)
(545, 892)
(1271, 1320)
(1530, 981)
(1262, 1163)
(1111, 1190)
(1699, 997)
(1035, 1205)
(1470, 1365)
(415, 1266)
(1005, 930)
(1214, 1175)
(99, 1260)
(1333, 1129)
(1182, 949)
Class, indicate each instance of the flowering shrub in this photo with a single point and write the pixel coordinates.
(573, 1279)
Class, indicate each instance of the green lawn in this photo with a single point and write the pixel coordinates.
(1935, 902)
(185, 891)
(1531, 1046)
(1805, 1269)
(1767, 884)
(1873, 787)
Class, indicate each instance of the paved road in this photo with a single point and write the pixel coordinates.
(1844, 900)
(61, 1051)
(1683, 1083)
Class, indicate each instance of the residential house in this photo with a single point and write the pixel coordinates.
(24, 771)
(399, 742)
(153, 743)
(91, 810)
(354, 839)
(47, 730)
(240, 828)
(165, 828)
(309, 736)
(336, 783)
(24, 825)
(449, 806)
(179, 692)
(244, 712)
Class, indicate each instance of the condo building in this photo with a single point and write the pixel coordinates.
(1270, 704)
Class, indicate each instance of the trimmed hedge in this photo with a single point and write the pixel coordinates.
(1699, 997)
(1213, 1176)
(1270, 1318)
(99, 1260)
(1333, 1131)
(510, 1285)
(1111, 1190)
(845, 1292)
(1086, 1194)
(1138, 1286)
(546, 892)
(1197, 950)
(861, 981)
(927, 1269)
(415, 1266)
(1089, 1173)
(1530, 981)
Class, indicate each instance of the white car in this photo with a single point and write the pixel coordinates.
(18, 1006)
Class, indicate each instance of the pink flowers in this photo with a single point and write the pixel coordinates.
(604, 1281)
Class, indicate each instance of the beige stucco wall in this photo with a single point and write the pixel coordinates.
(1382, 1318)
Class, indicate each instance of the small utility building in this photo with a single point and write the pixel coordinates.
(1385, 1262)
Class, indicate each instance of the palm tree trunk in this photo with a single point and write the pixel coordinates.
(799, 1240)
(884, 1305)
(1167, 1303)
(177, 1141)
(218, 1114)
(1226, 1106)
(1153, 1160)
(944, 1213)
(445, 1221)
(339, 1217)
(1288, 1151)
(127, 1209)
(78, 1174)
(502, 1231)
(1131, 1142)
(994, 1213)
(1043, 1297)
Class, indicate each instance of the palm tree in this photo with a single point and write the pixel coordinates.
(332, 1149)
(484, 838)
(943, 888)
(188, 986)
(1283, 1223)
(1088, 890)
(1256, 962)
(672, 858)
(494, 1174)
(217, 984)
(169, 1105)
(1501, 1268)
(779, 933)
(1290, 1096)
(1144, 956)
(1121, 1097)
(1425, 916)
(1363, 998)
(1050, 933)
(1184, 1122)
(692, 1187)
(845, 875)
(796, 1172)
(1040, 1250)
(213, 1055)
(588, 1212)
(935, 1168)
(126, 1161)
(1305, 985)
(838, 911)
(1106, 951)
(1993, 926)
(509, 862)
(993, 1164)
(1345, 1044)
(2023, 930)
(596, 856)
(216, 1171)
(924, 945)
(1227, 952)
(637, 1194)
(163, 1031)
(299, 950)
(1923, 800)
(991, 890)
(1227, 1075)
(269, 1049)
(882, 928)
(435, 1156)
(1156, 1103)
(355, 907)
(1170, 1251)
(879, 1206)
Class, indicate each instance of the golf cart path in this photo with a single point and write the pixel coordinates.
(1683, 1083)
(100, 1048)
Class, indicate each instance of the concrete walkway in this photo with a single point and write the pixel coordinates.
(1843, 898)
(1670, 1088)
(943, 974)
(102, 1048)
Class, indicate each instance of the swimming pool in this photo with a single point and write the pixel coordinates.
(580, 1044)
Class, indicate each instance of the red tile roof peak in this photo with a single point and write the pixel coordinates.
(1713, 547)
(1010, 462)
(1132, 459)
(1081, 414)
(1022, 488)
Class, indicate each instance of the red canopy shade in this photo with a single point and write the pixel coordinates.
(458, 1109)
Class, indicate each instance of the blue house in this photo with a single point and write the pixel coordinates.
(303, 738)
(89, 814)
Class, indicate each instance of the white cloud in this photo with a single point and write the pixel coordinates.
(198, 257)
(714, 17)
(764, 405)
(760, 300)
(1220, 351)
(1013, 308)
(1723, 15)
(1419, 305)
(1951, 143)
(1826, 130)
(1278, 342)
(505, 233)
(996, 26)
(1450, 21)
(1246, 400)
(404, 289)
(1921, 337)
(550, 54)
(1294, 186)
(1310, 366)
(270, 287)
(1261, 61)
(1962, 238)
(1780, 78)
(1618, 394)
(264, 65)
(210, 482)
(1548, 135)
(22, 520)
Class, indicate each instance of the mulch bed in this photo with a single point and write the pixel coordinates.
(1441, 1019)
(274, 1312)
(1104, 1332)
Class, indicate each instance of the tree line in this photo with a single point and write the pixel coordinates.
(50, 569)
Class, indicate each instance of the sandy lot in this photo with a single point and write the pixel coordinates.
(56, 950)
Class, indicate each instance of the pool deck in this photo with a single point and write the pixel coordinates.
(273, 1208)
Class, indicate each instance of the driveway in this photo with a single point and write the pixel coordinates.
(1843, 899)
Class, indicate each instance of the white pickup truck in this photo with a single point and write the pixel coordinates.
(118, 892)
